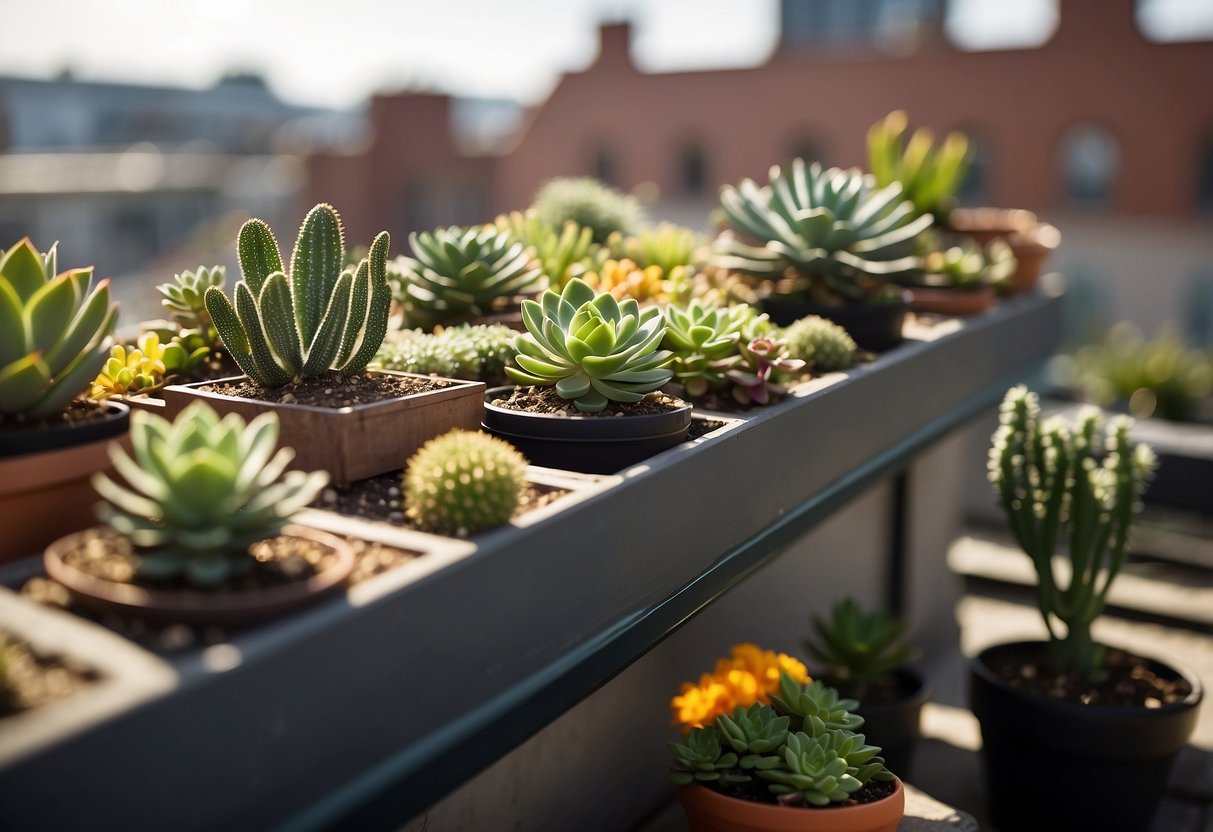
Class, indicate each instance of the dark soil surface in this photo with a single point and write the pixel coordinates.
(331, 389)
(380, 498)
(545, 400)
(758, 791)
(702, 427)
(29, 679)
(78, 411)
(1128, 682)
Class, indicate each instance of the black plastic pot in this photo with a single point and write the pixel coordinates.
(1053, 764)
(589, 444)
(19, 441)
(874, 326)
(896, 726)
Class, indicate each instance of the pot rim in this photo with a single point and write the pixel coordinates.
(774, 812)
(636, 419)
(32, 440)
(796, 300)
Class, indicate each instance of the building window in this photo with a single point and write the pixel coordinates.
(975, 187)
(1090, 163)
(1204, 175)
(693, 170)
(606, 165)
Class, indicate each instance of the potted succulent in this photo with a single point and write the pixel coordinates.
(590, 366)
(1074, 731)
(789, 760)
(563, 252)
(862, 655)
(54, 337)
(823, 345)
(198, 534)
(589, 204)
(959, 277)
(929, 175)
(304, 339)
(831, 242)
(1031, 241)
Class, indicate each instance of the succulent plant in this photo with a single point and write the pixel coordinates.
(131, 369)
(625, 279)
(593, 349)
(286, 327)
(756, 733)
(815, 702)
(828, 233)
(705, 342)
(479, 352)
(462, 482)
(200, 490)
(185, 296)
(813, 772)
(1078, 482)
(825, 345)
(666, 245)
(966, 264)
(700, 758)
(929, 176)
(54, 332)
(755, 377)
(590, 204)
(858, 648)
(189, 353)
(563, 252)
(456, 274)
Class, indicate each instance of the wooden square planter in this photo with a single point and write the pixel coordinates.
(358, 441)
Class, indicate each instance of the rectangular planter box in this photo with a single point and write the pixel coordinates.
(353, 443)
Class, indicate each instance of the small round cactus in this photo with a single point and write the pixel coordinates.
(822, 343)
(463, 482)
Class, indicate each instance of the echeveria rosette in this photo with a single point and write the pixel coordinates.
(200, 490)
(593, 348)
(54, 332)
(754, 377)
(706, 340)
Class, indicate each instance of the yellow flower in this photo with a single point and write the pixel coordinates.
(131, 369)
(624, 279)
(748, 675)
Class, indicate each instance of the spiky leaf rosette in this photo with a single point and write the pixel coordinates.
(813, 772)
(831, 232)
(593, 349)
(54, 332)
(463, 482)
(856, 647)
(200, 490)
(590, 204)
(185, 296)
(563, 253)
(756, 733)
(822, 343)
(928, 175)
(815, 702)
(289, 326)
(455, 274)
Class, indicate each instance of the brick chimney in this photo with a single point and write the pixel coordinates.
(615, 46)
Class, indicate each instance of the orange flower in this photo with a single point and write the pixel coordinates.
(750, 674)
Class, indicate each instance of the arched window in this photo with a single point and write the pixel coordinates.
(1204, 175)
(692, 170)
(605, 165)
(975, 187)
(1090, 163)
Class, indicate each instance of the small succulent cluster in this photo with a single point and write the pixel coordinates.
(929, 175)
(625, 279)
(804, 744)
(590, 204)
(475, 352)
(457, 274)
(825, 345)
(592, 348)
(858, 648)
(563, 252)
(131, 369)
(965, 264)
(826, 234)
(185, 297)
(462, 482)
(1082, 482)
(200, 490)
(669, 247)
(54, 332)
(285, 326)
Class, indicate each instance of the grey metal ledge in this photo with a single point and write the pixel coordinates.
(364, 710)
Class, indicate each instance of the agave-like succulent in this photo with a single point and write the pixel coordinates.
(562, 254)
(929, 176)
(455, 274)
(856, 647)
(54, 331)
(201, 490)
(830, 232)
(593, 348)
(284, 328)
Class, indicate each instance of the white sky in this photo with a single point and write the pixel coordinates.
(493, 48)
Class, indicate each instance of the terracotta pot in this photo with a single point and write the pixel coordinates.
(710, 811)
(44, 480)
(589, 444)
(1080, 767)
(1031, 241)
(874, 326)
(352, 443)
(943, 300)
(199, 606)
(1032, 248)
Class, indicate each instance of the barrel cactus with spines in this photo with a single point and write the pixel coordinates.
(822, 343)
(463, 482)
(830, 233)
(288, 326)
(54, 332)
(593, 349)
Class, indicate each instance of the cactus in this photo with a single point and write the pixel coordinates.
(858, 648)
(824, 344)
(756, 733)
(185, 296)
(815, 702)
(928, 176)
(830, 233)
(590, 204)
(562, 254)
(287, 327)
(54, 332)
(455, 274)
(200, 490)
(593, 349)
(702, 759)
(478, 353)
(1082, 484)
(463, 482)
(132, 369)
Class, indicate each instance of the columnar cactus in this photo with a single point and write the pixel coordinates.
(1082, 483)
(462, 482)
(822, 343)
(287, 327)
(54, 332)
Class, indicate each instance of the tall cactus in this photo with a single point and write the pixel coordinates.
(285, 328)
(1051, 479)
